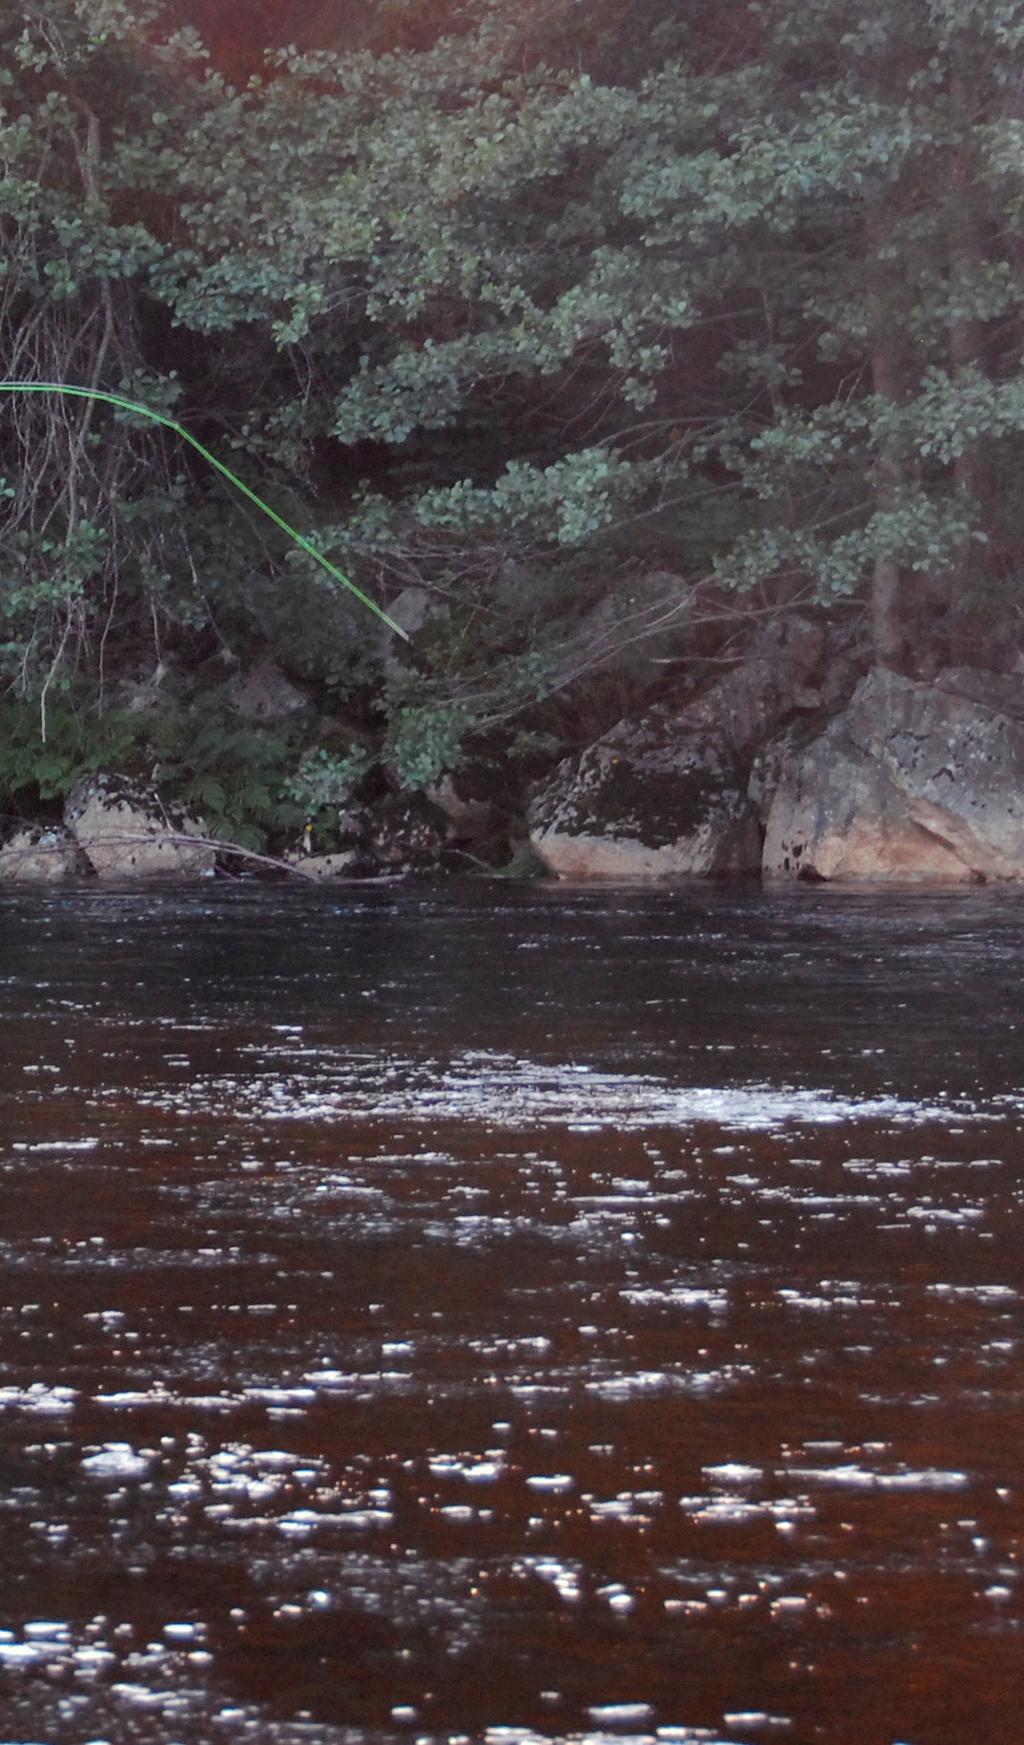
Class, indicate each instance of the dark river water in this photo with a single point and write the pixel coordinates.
(511, 1314)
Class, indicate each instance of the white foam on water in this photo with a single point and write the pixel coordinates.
(653, 1381)
(116, 1460)
(467, 1466)
(749, 1720)
(945, 1214)
(734, 1472)
(677, 1297)
(57, 1145)
(563, 1577)
(160, 1395)
(501, 1090)
(983, 1293)
(39, 1397)
(728, 1511)
(632, 1507)
(305, 1521)
(852, 1477)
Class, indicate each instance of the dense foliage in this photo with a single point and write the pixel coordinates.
(587, 330)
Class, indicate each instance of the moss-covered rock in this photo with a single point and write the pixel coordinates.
(652, 798)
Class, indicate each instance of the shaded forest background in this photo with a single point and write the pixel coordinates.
(588, 335)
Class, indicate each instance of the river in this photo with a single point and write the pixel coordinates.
(511, 1313)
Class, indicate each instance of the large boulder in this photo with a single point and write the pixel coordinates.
(407, 834)
(648, 800)
(666, 795)
(126, 831)
(911, 782)
(399, 835)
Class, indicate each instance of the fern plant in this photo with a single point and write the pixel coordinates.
(230, 773)
(79, 743)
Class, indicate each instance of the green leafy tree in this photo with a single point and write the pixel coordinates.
(751, 298)
(116, 552)
(89, 501)
(586, 321)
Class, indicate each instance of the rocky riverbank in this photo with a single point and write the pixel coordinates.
(792, 765)
(907, 781)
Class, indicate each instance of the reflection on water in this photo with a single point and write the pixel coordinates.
(520, 1315)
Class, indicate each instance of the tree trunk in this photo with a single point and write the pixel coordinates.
(887, 581)
(971, 469)
(887, 380)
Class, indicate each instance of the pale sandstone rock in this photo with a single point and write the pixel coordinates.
(911, 782)
(126, 832)
(324, 866)
(837, 815)
(414, 607)
(42, 856)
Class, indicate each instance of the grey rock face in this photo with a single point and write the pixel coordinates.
(1003, 691)
(415, 607)
(783, 673)
(407, 835)
(467, 804)
(126, 832)
(910, 782)
(402, 834)
(265, 694)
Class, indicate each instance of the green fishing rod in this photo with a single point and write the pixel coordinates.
(232, 478)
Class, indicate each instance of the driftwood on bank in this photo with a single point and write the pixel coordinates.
(28, 851)
(294, 867)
